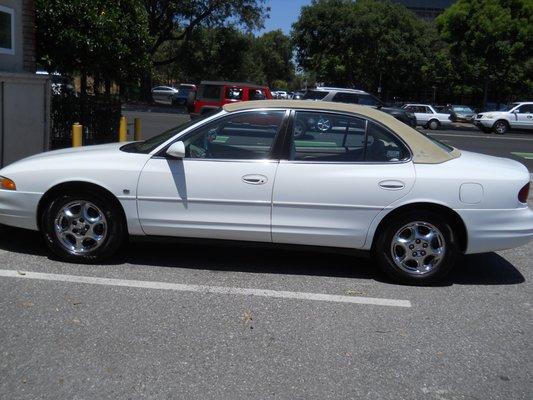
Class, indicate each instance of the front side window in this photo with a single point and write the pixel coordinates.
(7, 30)
(340, 138)
(244, 136)
(525, 109)
(257, 94)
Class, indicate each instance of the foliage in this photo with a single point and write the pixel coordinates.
(107, 38)
(365, 44)
(489, 42)
(227, 53)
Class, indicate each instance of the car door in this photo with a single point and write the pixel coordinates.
(336, 178)
(222, 189)
(523, 117)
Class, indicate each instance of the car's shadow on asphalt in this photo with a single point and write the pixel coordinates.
(478, 269)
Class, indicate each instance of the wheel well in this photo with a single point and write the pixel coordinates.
(434, 119)
(450, 215)
(501, 120)
(71, 187)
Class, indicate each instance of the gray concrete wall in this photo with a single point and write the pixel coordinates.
(14, 62)
(24, 116)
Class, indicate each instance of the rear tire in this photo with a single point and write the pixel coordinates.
(426, 258)
(83, 227)
(433, 124)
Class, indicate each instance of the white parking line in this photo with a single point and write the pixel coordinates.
(455, 135)
(178, 287)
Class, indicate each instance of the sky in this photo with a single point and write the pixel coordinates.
(283, 14)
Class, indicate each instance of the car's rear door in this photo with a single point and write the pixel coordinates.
(330, 185)
(222, 189)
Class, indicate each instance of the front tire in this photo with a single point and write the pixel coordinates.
(417, 248)
(83, 227)
(501, 127)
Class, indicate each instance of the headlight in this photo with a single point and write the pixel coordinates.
(7, 184)
(489, 116)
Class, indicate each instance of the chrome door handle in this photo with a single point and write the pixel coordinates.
(253, 179)
(391, 185)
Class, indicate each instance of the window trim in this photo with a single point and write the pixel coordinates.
(286, 142)
(275, 149)
(5, 50)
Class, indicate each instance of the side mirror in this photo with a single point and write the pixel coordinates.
(176, 150)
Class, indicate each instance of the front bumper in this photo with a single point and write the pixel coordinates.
(19, 209)
(491, 230)
(484, 123)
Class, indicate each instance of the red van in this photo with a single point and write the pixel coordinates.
(214, 94)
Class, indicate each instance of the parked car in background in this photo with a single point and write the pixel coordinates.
(514, 116)
(353, 96)
(164, 94)
(462, 113)
(186, 94)
(428, 117)
(363, 181)
(212, 95)
(297, 96)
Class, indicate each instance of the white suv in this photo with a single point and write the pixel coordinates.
(428, 117)
(514, 116)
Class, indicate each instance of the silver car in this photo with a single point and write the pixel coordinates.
(164, 94)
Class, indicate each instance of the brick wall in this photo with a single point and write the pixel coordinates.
(28, 34)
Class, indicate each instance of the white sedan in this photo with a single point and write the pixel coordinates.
(357, 179)
(428, 117)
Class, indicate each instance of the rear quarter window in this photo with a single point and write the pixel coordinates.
(210, 92)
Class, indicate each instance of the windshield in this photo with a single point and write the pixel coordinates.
(462, 109)
(151, 144)
(508, 107)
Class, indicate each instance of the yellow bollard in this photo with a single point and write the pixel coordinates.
(123, 130)
(76, 135)
(137, 129)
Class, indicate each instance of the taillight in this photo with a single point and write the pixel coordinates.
(524, 193)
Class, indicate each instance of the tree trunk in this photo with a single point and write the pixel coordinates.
(107, 84)
(146, 87)
(485, 92)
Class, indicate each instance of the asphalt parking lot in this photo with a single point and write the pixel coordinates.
(168, 320)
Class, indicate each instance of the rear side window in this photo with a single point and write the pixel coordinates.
(383, 146)
(233, 93)
(328, 137)
(369, 100)
(345, 98)
(244, 136)
(315, 95)
(209, 92)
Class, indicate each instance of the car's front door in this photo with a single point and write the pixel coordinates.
(222, 189)
(338, 176)
(523, 117)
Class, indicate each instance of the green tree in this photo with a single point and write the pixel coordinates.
(490, 45)
(273, 54)
(366, 44)
(103, 38)
(173, 23)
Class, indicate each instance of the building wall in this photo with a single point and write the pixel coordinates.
(24, 96)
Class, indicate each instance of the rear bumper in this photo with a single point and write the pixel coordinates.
(491, 230)
(19, 209)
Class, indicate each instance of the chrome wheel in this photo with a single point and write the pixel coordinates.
(418, 248)
(80, 227)
(500, 127)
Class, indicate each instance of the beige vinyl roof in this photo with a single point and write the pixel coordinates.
(424, 150)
